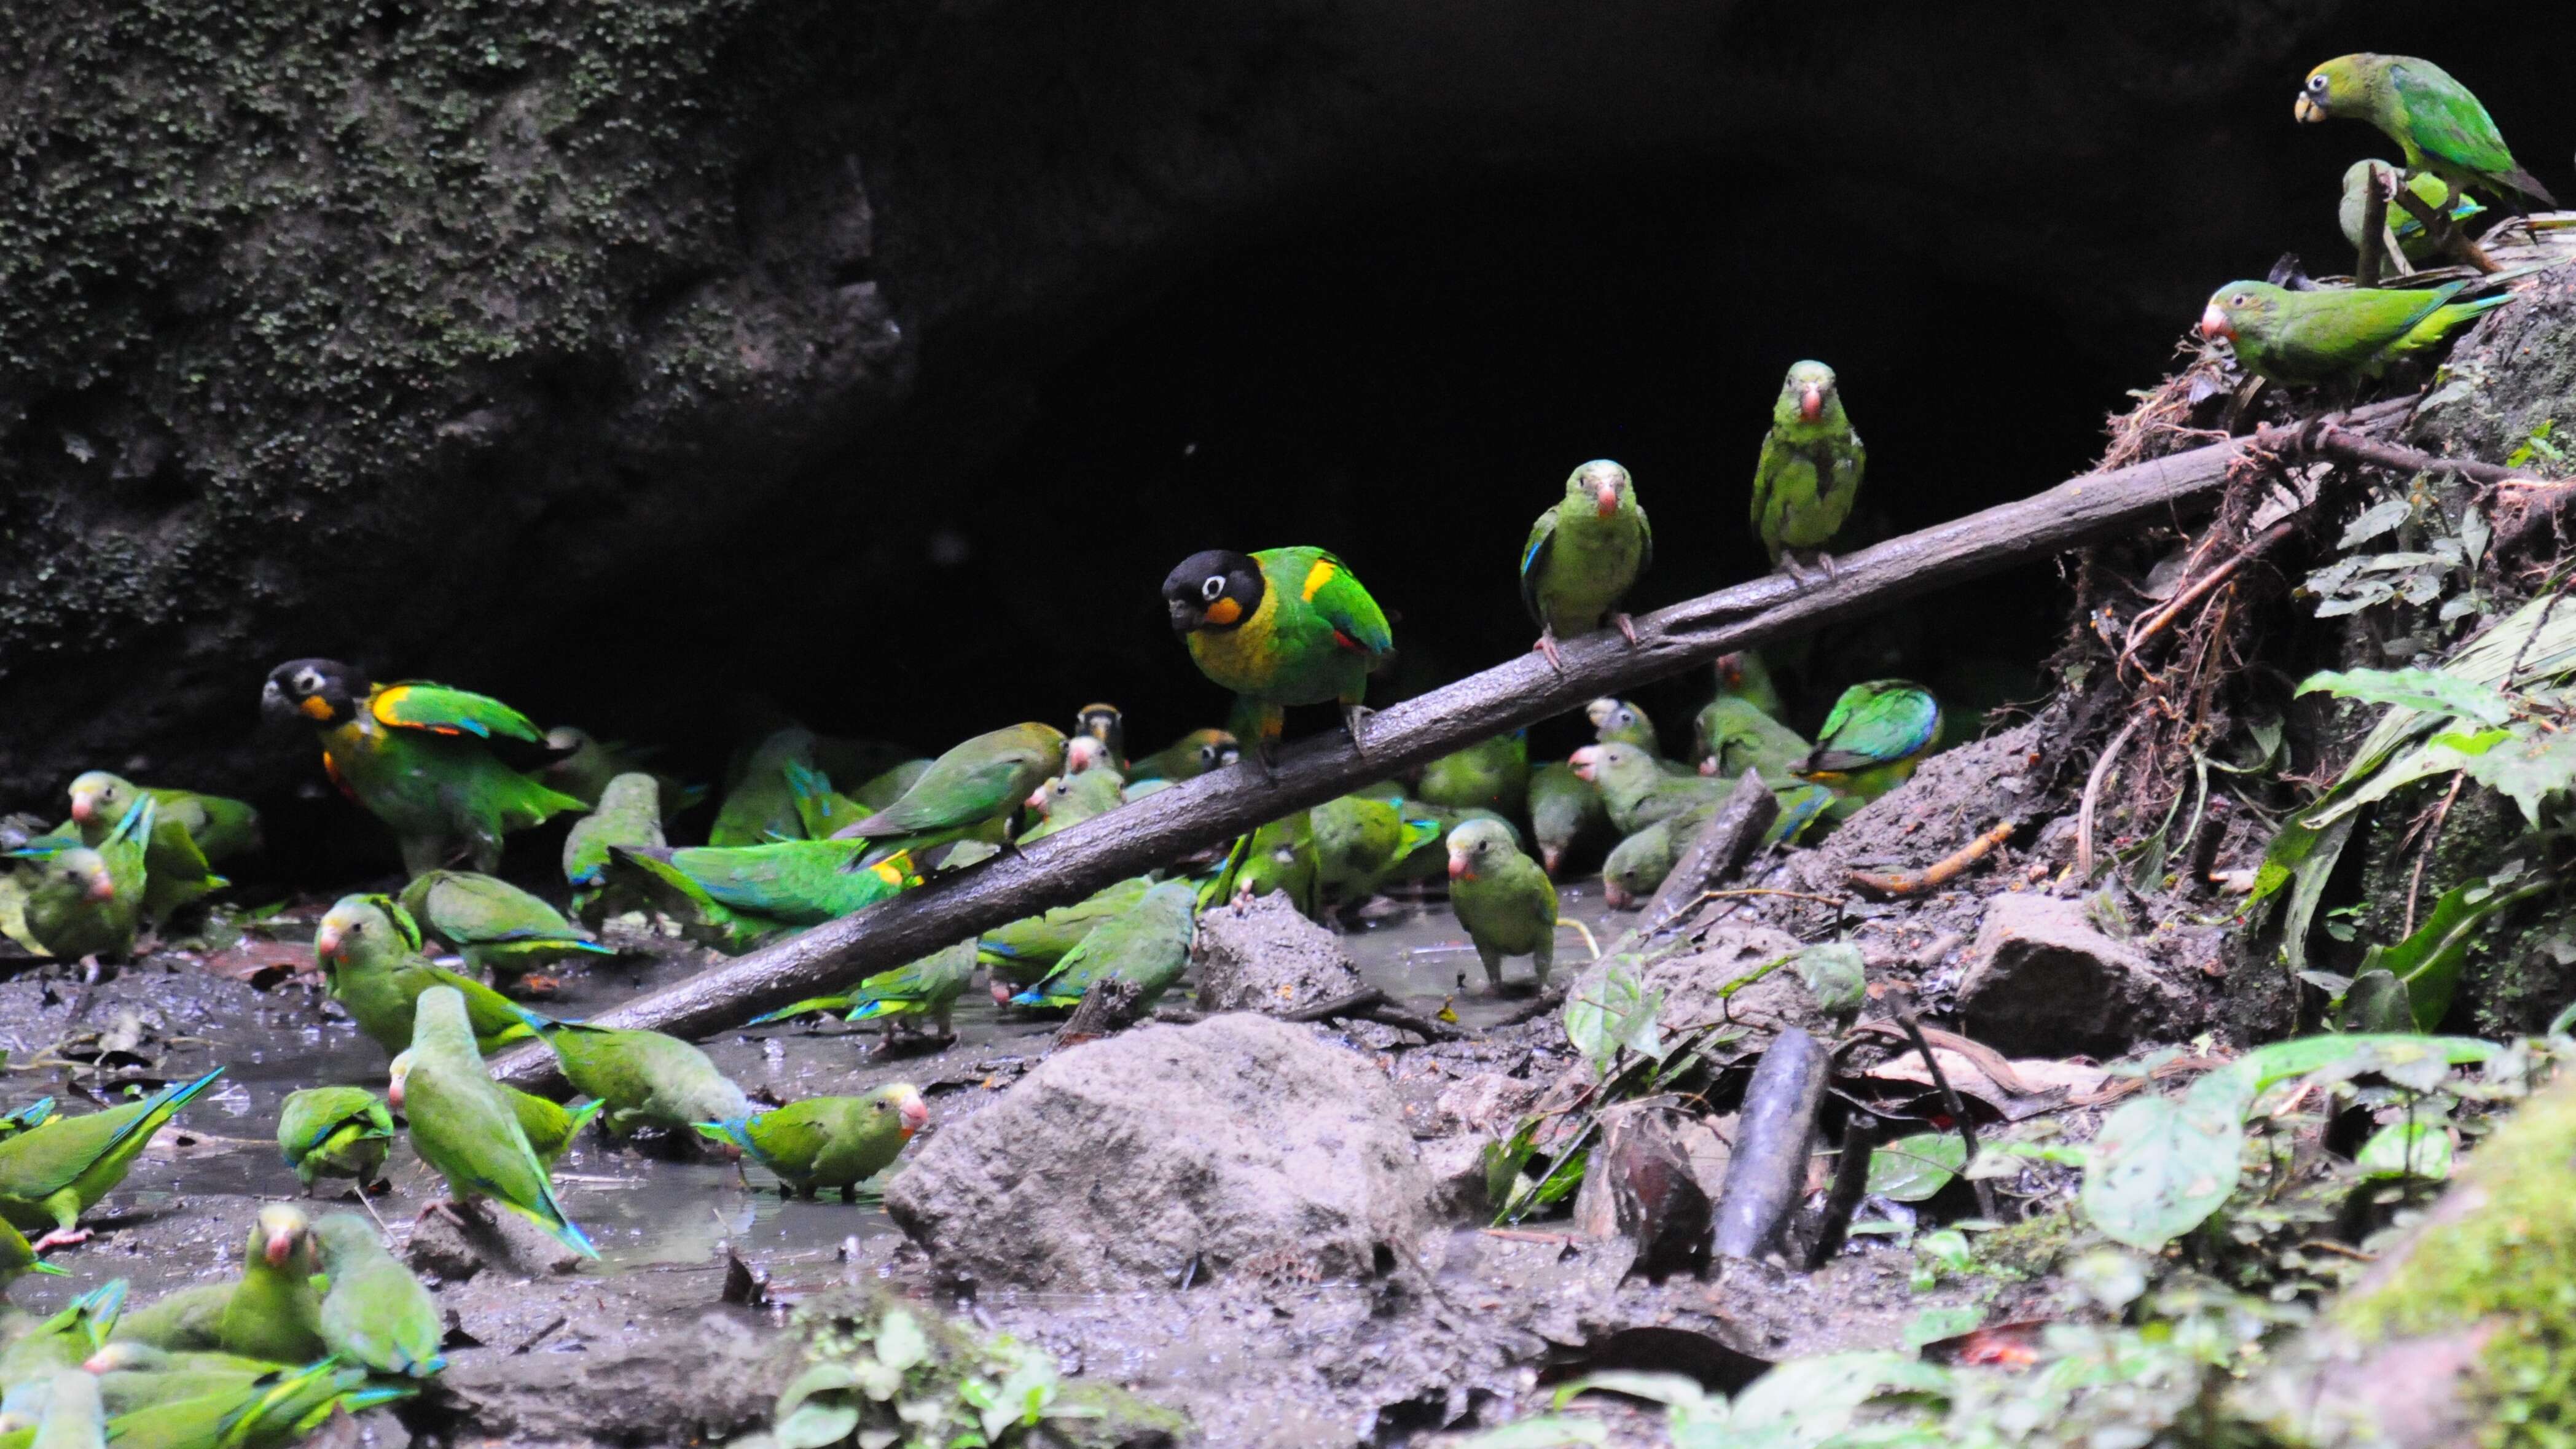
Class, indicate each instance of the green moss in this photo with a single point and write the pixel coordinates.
(2508, 1262)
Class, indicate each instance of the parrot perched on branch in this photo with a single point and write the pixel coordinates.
(2334, 333)
(1583, 555)
(2432, 118)
(1282, 627)
(1810, 469)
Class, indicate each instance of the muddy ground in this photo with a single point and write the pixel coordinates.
(649, 1347)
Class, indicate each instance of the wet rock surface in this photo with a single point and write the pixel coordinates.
(2042, 979)
(1230, 1148)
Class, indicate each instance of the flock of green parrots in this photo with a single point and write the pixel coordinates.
(321, 1315)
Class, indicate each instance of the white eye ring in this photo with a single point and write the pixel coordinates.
(307, 682)
(1211, 586)
(2317, 83)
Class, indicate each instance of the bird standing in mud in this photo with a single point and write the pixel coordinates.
(463, 1126)
(1583, 555)
(1282, 627)
(421, 757)
(1506, 903)
(1809, 472)
(821, 1142)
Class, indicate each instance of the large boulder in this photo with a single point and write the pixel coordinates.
(2042, 979)
(1236, 1143)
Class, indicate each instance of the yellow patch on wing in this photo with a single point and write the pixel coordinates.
(1316, 577)
(387, 707)
(895, 869)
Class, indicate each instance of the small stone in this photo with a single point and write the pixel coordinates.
(2042, 981)
(1266, 957)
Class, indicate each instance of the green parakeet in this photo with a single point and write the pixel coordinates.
(759, 804)
(1639, 863)
(1359, 840)
(1731, 736)
(369, 949)
(1617, 722)
(2334, 333)
(185, 826)
(1636, 789)
(550, 1125)
(88, 900)
(421, 757)
(1187, 758)
(20, 1119)
(927, 988)
(1565, 810)
(1742, 675)
(335, 1132)
(1487, 775)
(646, 1078)
(136, 1375)
(2431, 117)
(731, 896)
(494, 924)
(464, 1128)
(1148, 944)
(1069, 800)
(376, 1315)
(980, 782)
(29, 1361)
(75, 1416)
(18, 1257)
(820, 809)
(1286, 626)
(1507, 903)
(827, 1141)
(628, 814)
(53, 1174)
(265, 1413)
(1873, 738)
(1810, 469)
(1583, 555)
(1280, 856)
(270, 1312)
(2413, 241)
(1029, 947)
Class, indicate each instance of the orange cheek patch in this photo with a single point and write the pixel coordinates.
(1224, 611)
(316, 706)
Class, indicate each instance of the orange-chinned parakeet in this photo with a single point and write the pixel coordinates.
(1147, 945)
(421, 758)
(2413, 240)
(827, 1141)
(1507, 903)
(2334, 333)
(494, 924)
(270, 1312)
(464, 1127)
(2432, 118)
(370, 952)
(1583, 556)
(731, 896)
(189, 830)
(628, 814)
(376, 1314)
(978, 783)
(88, 901)
(1286, 626)
(1187, 758)
(918, 991)
(51, 1175)
(335, 1132)
(647, 1079)
(1636, 789)
(1810, 469)
(1872, 739)
(1359, 839)
(1070, 799)
(1029, 947)
(1564, 810)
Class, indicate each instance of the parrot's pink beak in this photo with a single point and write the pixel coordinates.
(1001, 992)
(326, 942)
(1605, 499)
(1458, 868)
(1708, 766)
(1084, 753)
(1811, 402)
(2214, 324)
(1583, 761)
(102, 887)
(915, 1113)
(279, 1247)
(1551, 857)
(1616, 894)
(1037, 799)
(84, 805)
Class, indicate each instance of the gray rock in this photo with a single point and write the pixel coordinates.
(2042, 980)
(1236, 1143)
(491, 1238)
(1265, 956)
(1455, 1167)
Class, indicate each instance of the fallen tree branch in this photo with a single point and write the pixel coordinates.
(1940, 872)
(1170, 824)
(1374, 1005)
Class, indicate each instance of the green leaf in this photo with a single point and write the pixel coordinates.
(2428, 962)
(822, 1378)
(2528, 768)
(900, 1341)
(1614, 1011)
(2407, 1149)
(2433, 691)
(1935, 1324)
(2161, 1166)
(2375, 520)
(1835, 976)
(2377, 1002)
(2400, 1056)
(1912, 1169)
(814, 1425)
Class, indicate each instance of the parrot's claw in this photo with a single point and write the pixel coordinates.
(1627, 628)
(1355, 718)
(60, 1238)
(1547, 645)
(440, 1207)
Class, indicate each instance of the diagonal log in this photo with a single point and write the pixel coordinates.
(1170, 824)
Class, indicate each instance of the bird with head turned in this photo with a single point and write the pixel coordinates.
(1279, 628)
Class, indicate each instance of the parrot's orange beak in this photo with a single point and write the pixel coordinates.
(914, 1111)
(1583, 761)
(1811, 402)
(2214, 324)
(326, 941)
(1605, 499)
(1730, 667)
(102, 887)
(1458, 868)
(394, 1077)
(279, 1247)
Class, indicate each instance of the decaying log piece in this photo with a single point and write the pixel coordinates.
(1773, 1135)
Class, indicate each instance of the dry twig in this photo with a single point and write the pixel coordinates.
(1940, 872)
